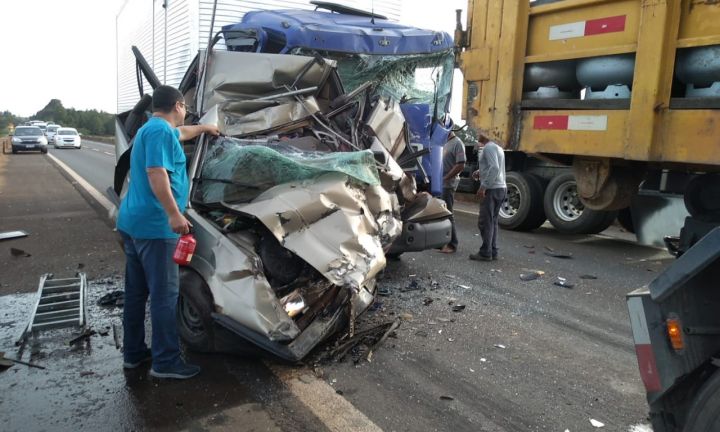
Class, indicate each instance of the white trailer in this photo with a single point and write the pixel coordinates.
(170, 32)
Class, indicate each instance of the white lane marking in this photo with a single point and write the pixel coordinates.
(100, 198)
(94, 149)
(336, 413)
(109, 154)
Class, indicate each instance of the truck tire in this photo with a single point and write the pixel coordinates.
(701, 197)
(567, 213)
(523, 208)
(625, 220)
(704, 415)
(194, 309)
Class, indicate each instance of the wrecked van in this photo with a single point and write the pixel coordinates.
(294, 206)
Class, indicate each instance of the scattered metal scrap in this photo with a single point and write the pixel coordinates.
(531, 275)
(113, 298)
(366, 341)
(563, 282)
(7, 362)
(9, 235)
(87, 333)
(116, 336)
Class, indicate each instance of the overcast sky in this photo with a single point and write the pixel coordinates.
(65, 49)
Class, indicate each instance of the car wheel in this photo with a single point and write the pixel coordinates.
(43, 151)
(522, 210)
(194, 309)
(568, 214)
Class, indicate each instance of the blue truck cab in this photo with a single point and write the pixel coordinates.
(410, 65)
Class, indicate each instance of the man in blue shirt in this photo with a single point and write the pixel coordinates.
(150, 220)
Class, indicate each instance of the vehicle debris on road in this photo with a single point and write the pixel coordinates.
(557, 254)
(531, 275)
(17, 253)
(113, 298)
(596, 423)
(363, 342)
(562, 282)
(86, 334)
(4, 362)
(9, 235)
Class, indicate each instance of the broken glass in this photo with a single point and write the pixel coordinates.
(236, 170)
(413, 78)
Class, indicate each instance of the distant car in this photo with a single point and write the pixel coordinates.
(68, 138)
(29, 138)
(50, 132)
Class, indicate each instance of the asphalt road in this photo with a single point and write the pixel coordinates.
(95, 162)
(521, 355)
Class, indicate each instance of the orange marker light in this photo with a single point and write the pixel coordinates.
(674, 331)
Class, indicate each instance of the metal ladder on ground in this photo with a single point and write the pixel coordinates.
(60, 303)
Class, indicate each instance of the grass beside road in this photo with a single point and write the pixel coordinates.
(102, 139)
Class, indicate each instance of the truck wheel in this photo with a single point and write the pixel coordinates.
(702, 197)
(625, 220)
(195, 324)
(704, 415)
(567, 213)
(523, 208)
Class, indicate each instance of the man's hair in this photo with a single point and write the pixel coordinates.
(164, 98)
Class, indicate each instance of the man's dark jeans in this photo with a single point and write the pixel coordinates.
(449, 198)
(151, 271)
(488, 220)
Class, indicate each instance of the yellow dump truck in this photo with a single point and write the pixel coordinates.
(595, 101)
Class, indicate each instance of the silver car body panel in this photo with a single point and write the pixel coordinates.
(327, 222)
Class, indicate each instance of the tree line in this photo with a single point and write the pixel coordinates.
(89, 122)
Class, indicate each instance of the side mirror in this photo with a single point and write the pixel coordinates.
(79, 134)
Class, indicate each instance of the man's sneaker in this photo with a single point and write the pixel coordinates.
(479, 257)
(146, 357)
(181, 370)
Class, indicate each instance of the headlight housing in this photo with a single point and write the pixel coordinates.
(16, 140)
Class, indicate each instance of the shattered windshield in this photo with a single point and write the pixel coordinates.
(237, 170)
(413, 78)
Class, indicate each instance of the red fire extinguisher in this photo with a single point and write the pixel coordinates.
(185, 249)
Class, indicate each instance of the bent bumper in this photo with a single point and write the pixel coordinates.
(320, 329)
(419, 236)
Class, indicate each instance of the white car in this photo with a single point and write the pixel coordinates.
(50, 132)
(67, 137)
